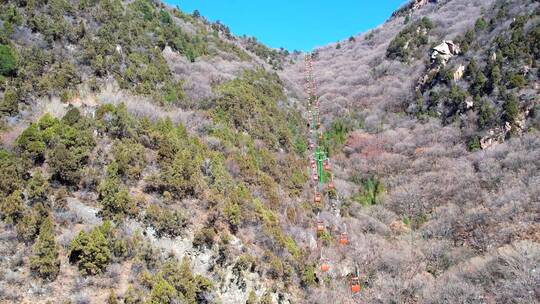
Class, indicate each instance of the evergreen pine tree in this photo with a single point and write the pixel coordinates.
(162, 293)
(266, 299)
(511, 109)
(112, 298)
(90, 251)
(37, 187)
(12, 207)
(252, 298)
(44, 262)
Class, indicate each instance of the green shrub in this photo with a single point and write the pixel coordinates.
(473, 144)
(245, 262)
(259, 92)
(12, 169)
(115, 200)
(133, 296)
(486, 113)
(296, 181)
(169, 141)
(272, 56)
(479, 84)
(231, 48)
(336, 136)
(275, 269)
(8, 60)
(480, 24)
(112, 298)
(252, 298)
(467, 40)
(28, 226)
(188, 286)
(472, 69)
(266, 299)
(511, 109)
(494, 77)
(272, 227)
(70, 145)
(130, 157)
(62, 76)
(145, 72)
(517, 81)
(205, 237)
(409, 40)
(11, 14)
(72, 116)
(66, 164)
(164, 16)
(309, 278)
(49, 127)
(183, 177)
(427, 23)
(45, 262)
(30, 143)
(12, 207)
(90, 251)
(37, 187)
(174, 93)
(300, 145)
(325, 237)
(164, 221)
(162, 293)
(371, 192)
(397, 48)
(10, 103)
(144, 7)
(233, 214)
(60, 199)
(116, 121)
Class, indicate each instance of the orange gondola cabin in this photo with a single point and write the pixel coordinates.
(325, 266)
(355, 285)
(331, 186)
(317, 199)
(327, 167)
(320, 227)
(343, 239)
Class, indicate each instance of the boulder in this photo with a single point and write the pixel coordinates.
(418, 4)
(398, 227)
(458, 74)
(486, 142)
(469, 102)
(444, 51)
(494, 136)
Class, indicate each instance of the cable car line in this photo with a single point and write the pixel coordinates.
(322, 178)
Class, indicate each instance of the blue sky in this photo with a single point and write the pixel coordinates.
(294, 24)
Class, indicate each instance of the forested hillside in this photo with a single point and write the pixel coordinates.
(440, 110)
(151, 156)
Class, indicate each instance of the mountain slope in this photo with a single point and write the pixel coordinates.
(150, 156)
(125, 116)
(447, 215)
